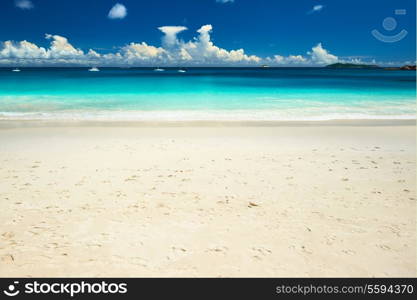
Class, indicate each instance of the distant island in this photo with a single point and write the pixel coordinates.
(364, 66)
(406, 68)
(351, 66)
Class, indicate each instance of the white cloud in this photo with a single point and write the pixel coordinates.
(60, 51)
(199, 51)
(288, 60)
(320, 55)
(93, 54)
(140, 53)
(316, 8)
(225, 1)
(24, 4)
(296, 59)
(60, 48)
(170, 38)
(22, 50)
(202, 50)
(118, 11)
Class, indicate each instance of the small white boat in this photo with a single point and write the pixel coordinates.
(94, 69)
(181, 71)
(16, 70)
(159, 70)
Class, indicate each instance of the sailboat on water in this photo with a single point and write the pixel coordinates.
(94, 69)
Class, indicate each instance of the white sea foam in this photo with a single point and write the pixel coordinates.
(207, 115)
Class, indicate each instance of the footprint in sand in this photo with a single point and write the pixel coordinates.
(349, 252)
(305, 250)
(252, 204)
(384, 247)
(8, 235)
(260, 252)
(218, 249)
(330, 240)
(8, 258)
(176, 252)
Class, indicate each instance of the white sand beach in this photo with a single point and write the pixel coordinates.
(208, 199)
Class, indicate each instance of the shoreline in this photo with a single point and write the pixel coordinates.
(125, 123)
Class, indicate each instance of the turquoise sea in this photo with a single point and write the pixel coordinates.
(207, 94)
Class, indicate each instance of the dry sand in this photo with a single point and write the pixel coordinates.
(213, 200)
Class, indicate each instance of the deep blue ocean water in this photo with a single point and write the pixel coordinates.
(207, 94)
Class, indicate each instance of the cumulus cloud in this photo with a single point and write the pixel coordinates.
(24, 4)
(170, 38)
(199, 51)
(288, 60)
(61, 48)
(202, 50)
(22, 50)
(320, 55)
(141, 53)
(27, 53)
(118, 11)
(316, 8)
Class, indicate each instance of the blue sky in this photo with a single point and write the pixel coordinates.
(301, 32)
